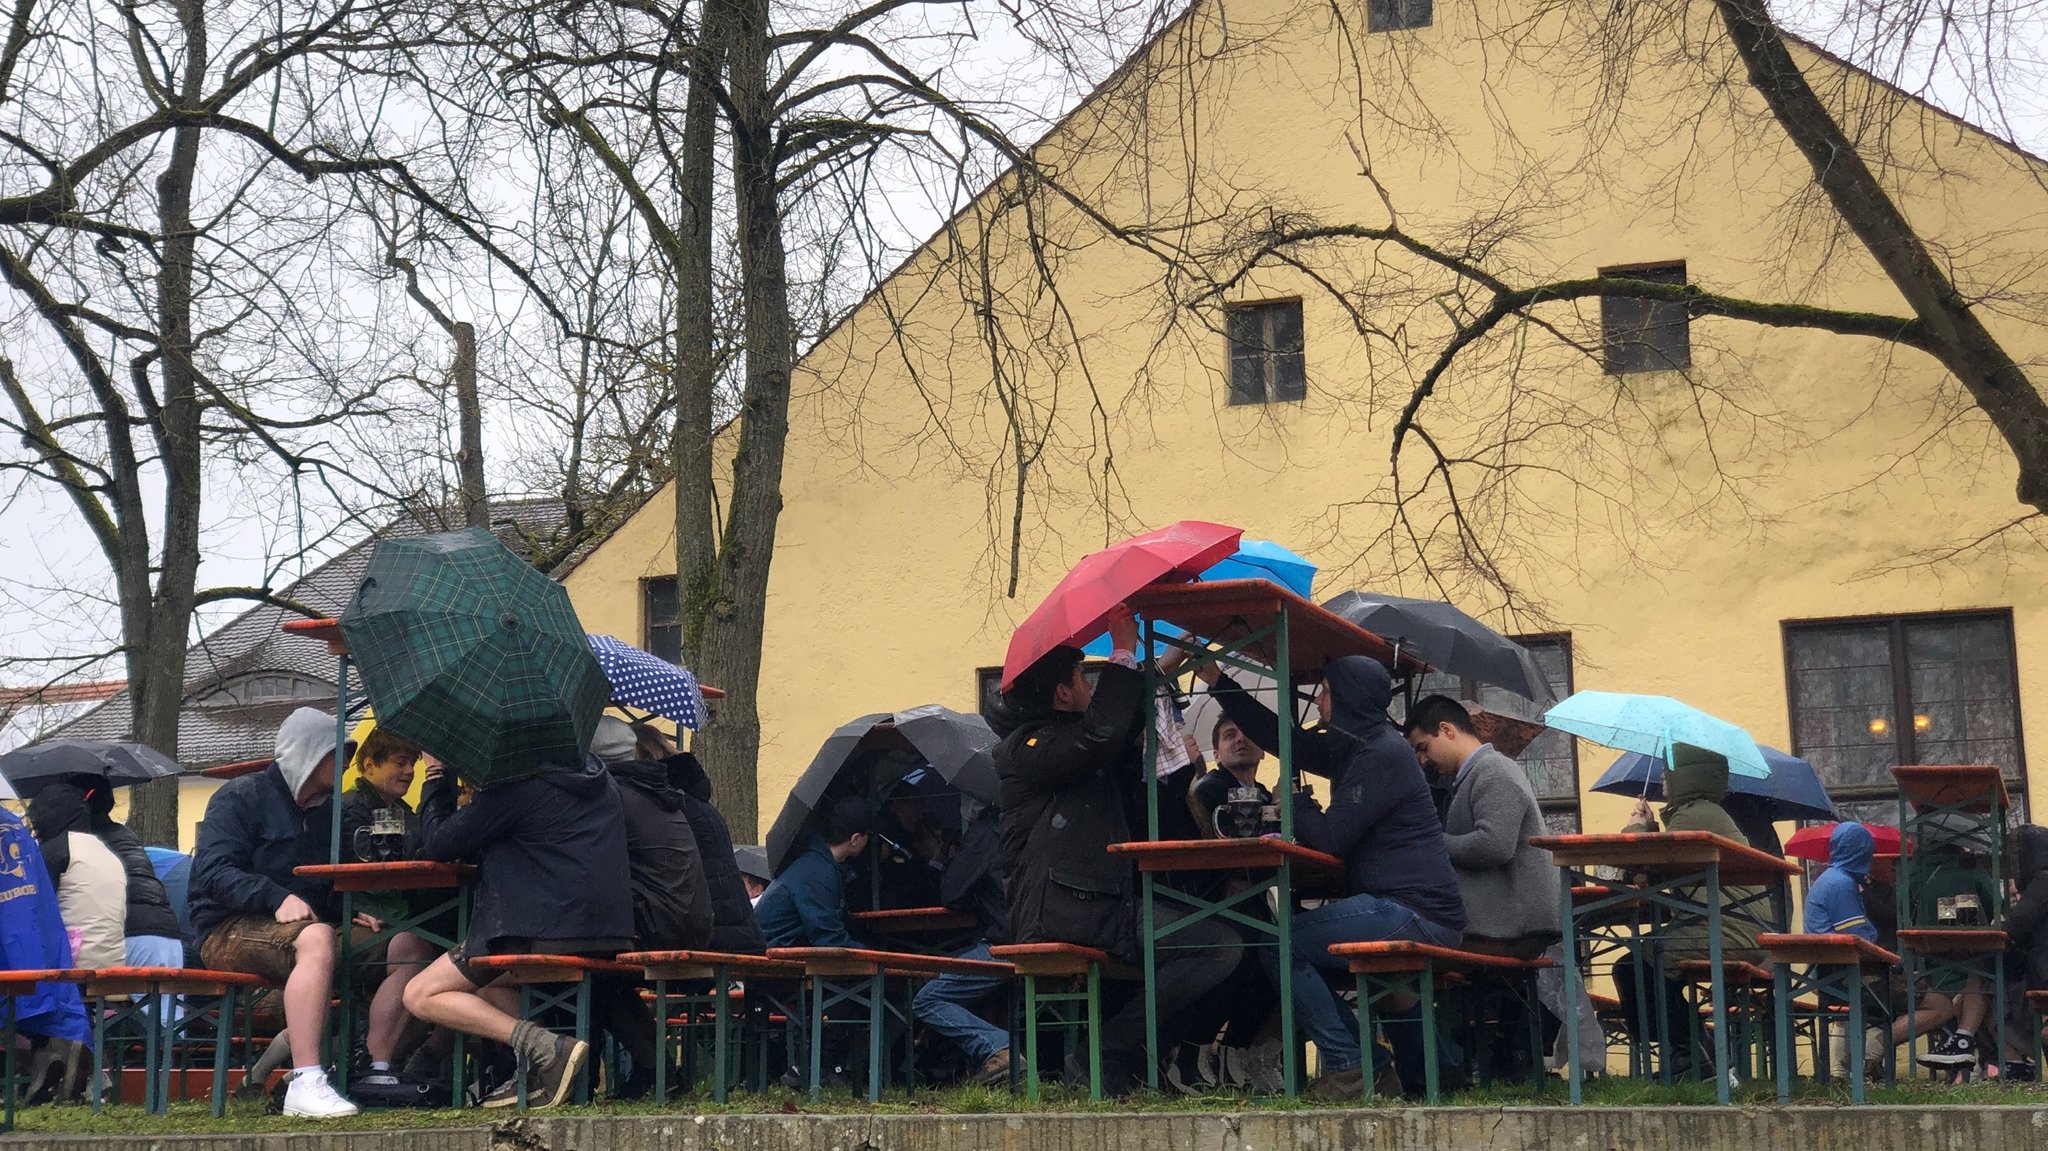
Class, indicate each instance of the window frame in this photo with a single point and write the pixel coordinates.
(1404, 15)
(1268, 357)
(1902, 690)
(1656, 359)
(647, 622)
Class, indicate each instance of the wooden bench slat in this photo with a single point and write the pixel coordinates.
(1397, 955)
(1062, 959)
(1825, 949)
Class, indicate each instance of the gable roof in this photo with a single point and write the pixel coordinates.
(251, 646)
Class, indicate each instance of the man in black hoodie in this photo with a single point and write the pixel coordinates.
(552, 878)
(733, 928)
(1381, 822)
(1072, 777)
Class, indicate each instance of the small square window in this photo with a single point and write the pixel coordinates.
(1394, 15)
(1645, 335)
(1266, 353)
(661, 619)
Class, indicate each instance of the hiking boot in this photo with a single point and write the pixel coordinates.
(995, 1070)
(1343, 1086)
(311, 1096)
(506, 1093)
(553, 1083)
(1959, 1049)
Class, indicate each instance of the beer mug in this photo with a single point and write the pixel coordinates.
(387, 834)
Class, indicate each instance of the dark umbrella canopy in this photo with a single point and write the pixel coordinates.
(1447, 639)
(121, 764)
(474, 656)
(1792, 791)
(954, 743)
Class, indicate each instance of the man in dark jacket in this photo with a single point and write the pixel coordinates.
(1071, 772)
(1382, 823)
(972, 883)
(86, 803)
(806, 905)
(253, 914)
(733, 928)
(552, 878)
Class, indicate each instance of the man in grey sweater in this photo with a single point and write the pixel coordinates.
(1510, 887)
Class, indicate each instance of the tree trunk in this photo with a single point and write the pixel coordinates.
(1960, 340)
(694, 367)
(157, 664)
(732, 621)
(469, 459)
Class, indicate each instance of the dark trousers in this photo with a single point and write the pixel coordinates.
(1633, 1008)
(1192, 962)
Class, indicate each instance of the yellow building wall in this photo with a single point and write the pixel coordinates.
(890, 579)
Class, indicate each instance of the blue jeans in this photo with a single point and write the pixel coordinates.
(944, 1006)
(1355, 919)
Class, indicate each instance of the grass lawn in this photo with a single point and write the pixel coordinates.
(193, 1119)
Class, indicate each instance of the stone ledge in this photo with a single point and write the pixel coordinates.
(1960, 1128)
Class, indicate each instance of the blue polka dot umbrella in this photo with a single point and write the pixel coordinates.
(649, 682)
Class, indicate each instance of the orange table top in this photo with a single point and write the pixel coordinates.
(1315, 634)
(701, 964)
(1834, 950)
(399, 875)
(236, 770)
(1229, 855)
(1953, 940)
(1661, 854)
(905, 920)
(327, 631)
(1966, 787)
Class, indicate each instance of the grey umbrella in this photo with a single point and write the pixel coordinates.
(1447, 639)
(954, 743)
(122, 764)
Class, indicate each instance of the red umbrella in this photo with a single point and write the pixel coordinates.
(1812, 842)
(1077, 608)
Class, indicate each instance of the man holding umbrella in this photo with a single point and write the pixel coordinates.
(252, 914)
(1071, 769)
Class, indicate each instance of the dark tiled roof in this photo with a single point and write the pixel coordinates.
(251, 643)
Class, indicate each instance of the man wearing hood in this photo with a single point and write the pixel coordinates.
(552, 878)
(1695, 782)
(1071, 774)
(253, 914)
(1382, 822)
(733, 928)
(92, 886)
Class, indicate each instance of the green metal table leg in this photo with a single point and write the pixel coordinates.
(1031, 1037)
(1431, 1074)
(223, 1039)
(1574, 1071)
(661, 1041)
(1858, 1054)
(877, 1019)
(1781, 982)
(1363, 982)
(721, 1032)
(817, 1038)
(7, 1036)
(1720, 990)
(1094, 1031)
(1151, 957)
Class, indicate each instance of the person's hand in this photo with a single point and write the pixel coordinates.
(1123, 629)
(1209, 673)
(294, 910)
(368, 922)
(1640, 813)
(435, 768)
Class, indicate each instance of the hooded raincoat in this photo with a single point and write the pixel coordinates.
(1694, 786)
(1834, 904)
(32, 937)
(256, 832)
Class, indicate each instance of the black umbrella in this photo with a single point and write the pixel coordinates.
(121, 764)
(955, 744)
(1447, 639)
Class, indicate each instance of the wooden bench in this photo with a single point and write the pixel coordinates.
(721, 969)
(1389, 968)
(858, 976)
(1081, 970)
(539, 978)
(122, 998)
(1831, 968)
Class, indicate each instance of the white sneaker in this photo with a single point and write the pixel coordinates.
(311, 1096)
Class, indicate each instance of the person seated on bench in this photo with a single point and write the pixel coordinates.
(1509, 887)
(384, 766)
(1943, 872)
(253, 914)
(1382, 822)
(806, 905)
(671, 904)
(973, 884)
(32, 938)
(1835, 905)
(733, 926)
(1072, 772)
(1695, 782)
(552, 879)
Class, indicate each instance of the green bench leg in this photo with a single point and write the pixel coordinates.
(1095, 1031)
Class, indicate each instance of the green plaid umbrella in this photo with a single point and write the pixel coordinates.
(473, 655)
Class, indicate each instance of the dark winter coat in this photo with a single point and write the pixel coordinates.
(671, 904)
(974, 883)
(550, 851)
(2026, 921)
(1382, 819)
(63, 808)
(733, 928)
(253, 835)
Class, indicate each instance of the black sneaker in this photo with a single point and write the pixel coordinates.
(1958, 1050)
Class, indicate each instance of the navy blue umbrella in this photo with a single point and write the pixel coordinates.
(649, 682)
(1792, 790)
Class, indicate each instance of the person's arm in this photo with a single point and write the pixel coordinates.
(1498, 809)
(821, 907)
(449, 833)
(223, 862)
(1640, 817)
(1353, 812)
(1055, 756)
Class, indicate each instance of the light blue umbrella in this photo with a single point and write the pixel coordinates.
(1254, 559)
(1651, 724)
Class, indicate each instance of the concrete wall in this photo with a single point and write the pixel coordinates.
(1394, 1129)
